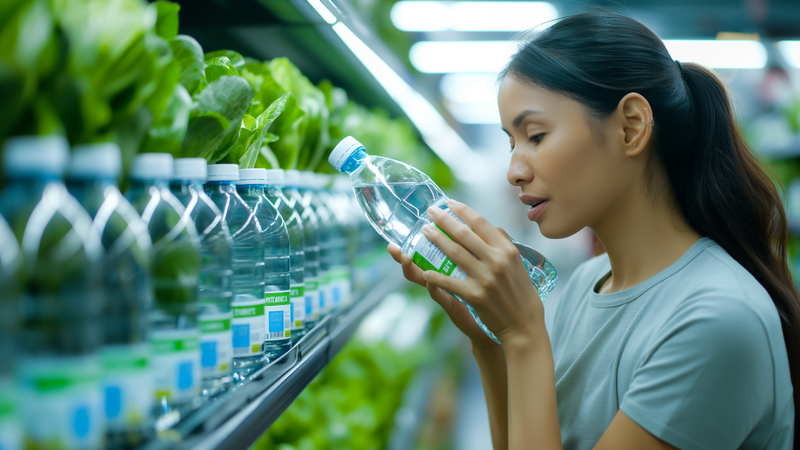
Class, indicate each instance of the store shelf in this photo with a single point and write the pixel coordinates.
(265, 29)
(235, 419)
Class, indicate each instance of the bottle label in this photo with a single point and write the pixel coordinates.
(10, 420)
(216, 344)
(312, 299)
(248, 327)
(277, 312)
(176, 360)
(127, 373)
(428, 256)
(326, 304)
(63, 402)
(298, 311)
(341, 287)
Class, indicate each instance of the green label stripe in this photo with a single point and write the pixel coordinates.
(118, 362)
(59, 382)
(447, 268)
(297, 291)
(247, 311)
(277, 298)
(215, 326)
(162, 346)
(312, 285)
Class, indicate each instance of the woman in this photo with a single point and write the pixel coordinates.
(683, 334)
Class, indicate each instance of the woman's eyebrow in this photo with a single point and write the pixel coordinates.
(521, 116)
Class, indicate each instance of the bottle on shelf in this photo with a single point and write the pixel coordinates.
(174, 268)
(125, 355)
(58, 370)
(340, 272)
(247, 279)
(396, 198)
(310, 247)
(309, 190)
(277, 292)
(294, 226)
(216, 258)
(10, 285)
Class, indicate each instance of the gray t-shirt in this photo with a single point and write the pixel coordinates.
(695, 355)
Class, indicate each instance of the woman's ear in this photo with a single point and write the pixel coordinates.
(635, 121)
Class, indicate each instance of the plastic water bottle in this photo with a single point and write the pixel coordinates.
(58, 371)
(310, 247)
(125, 355)
(309, 190)
(340, 272)
(396, 197)
(294, 226)
(174, 267)
(277, 292)
(10, 285)
(247, 281)
(216, 257)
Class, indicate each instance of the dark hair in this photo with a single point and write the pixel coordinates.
(717, 182)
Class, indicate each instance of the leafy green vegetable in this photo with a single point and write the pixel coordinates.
(235, 58)
(218, 111)
(252, 135)
(189, 55)
(219, 67)
(167, 20)
(169, 130)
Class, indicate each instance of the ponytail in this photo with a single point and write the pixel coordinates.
(719, 184)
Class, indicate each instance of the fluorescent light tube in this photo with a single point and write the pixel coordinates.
(471, 15)
(461, 56)
(722, 54)
(323, 11)
(469, 87)
(791, 52)
(436, 132)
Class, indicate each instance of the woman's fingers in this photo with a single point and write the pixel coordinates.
(394, 250)
(488, 233)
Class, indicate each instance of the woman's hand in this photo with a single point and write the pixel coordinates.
(497, 284)
(458, 313)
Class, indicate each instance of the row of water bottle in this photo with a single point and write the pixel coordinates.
(117, 311)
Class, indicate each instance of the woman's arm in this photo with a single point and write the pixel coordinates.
(492, 365)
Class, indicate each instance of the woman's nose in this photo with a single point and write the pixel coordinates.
(519, 172)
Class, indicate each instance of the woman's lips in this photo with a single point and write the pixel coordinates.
(535, 211)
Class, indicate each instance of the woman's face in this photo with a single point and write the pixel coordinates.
(571, 175)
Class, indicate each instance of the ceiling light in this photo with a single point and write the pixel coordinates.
(791, 52)
(323, 11)
(471, 15)
(461, 56)
(469, 87)
(435, 131)
(719, 54)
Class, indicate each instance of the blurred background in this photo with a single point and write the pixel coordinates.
(413, 80)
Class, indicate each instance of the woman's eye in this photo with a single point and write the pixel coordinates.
(537, 138)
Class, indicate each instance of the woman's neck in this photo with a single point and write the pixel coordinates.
(642, 237)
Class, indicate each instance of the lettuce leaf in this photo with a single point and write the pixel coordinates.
(188, 55)
(252, 135)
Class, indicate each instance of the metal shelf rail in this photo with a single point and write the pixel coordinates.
(237, 418)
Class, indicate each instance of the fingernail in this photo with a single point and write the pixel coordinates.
(426, 275)
(452, 202)
(427, 229)
(433, 211)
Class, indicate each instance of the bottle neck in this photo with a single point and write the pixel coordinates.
(144, 184)
(185, 186)
(251, 189)
(225, 187)
(355, 160)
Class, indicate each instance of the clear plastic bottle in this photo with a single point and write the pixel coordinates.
(294, 225)
(396, 198)
(174, 267)
(216, 257)
(277, 286)
(340, 271)
(247, 280)
(125, 355)
(309, 189)
(10, 285)
(310, 248)
(58, 371)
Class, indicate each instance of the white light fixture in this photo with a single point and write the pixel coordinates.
(436, 132)
(719, 54)
(461, 56)
(471, 98)
(323, 11)
(791, 52)
(471, 15)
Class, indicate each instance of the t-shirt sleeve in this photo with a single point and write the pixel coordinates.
(707, 379)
